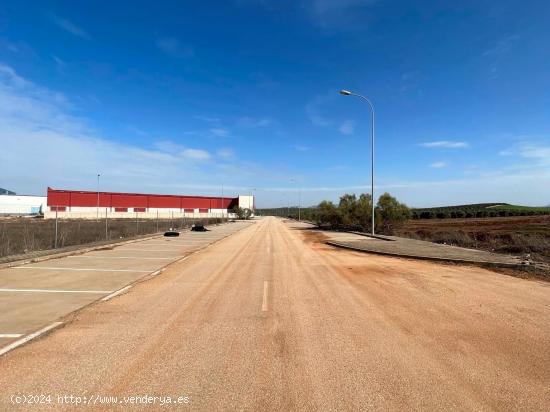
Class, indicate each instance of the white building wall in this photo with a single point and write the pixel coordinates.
(153, 213)
(246, 202)
(17, 205)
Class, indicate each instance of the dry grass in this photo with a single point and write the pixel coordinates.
(24, 235)
(519, 235)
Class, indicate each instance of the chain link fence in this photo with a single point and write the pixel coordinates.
(25, 235)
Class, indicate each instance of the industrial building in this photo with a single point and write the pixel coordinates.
(90, 205)
(21, 205)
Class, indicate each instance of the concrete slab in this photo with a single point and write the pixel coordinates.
(36, 294)
(418, 249)
(26, 312)
(37, 279)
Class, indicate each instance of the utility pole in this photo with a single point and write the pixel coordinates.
(348, 93)
(97, 211)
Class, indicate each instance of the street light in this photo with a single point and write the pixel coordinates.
(97, 209)
(348, 93)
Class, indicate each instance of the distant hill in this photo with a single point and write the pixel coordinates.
(6, 192)
(478, 210)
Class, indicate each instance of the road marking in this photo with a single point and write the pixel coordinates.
(116, 293)
(28, 338)
(264, 300)
(182, 244)
(79, 269)
(147, 250)
(121, 257)
(10, 335)
(156, 272)
(54, 291)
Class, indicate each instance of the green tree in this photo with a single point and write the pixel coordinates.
(239, 212)
(391, 212)
(347, 208)
(328, 214)
(363, 210)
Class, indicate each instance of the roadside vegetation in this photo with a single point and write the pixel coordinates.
(351, 213)
(242, 213)
(478, 210)
(517, 235)
(494, 227)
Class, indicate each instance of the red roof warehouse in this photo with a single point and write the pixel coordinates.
(79, 198)
(86, 204)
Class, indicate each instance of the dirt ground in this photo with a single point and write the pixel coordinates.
(273, 319)
(518, 235)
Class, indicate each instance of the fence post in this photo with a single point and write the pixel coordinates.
(55, 241)
(106, 226)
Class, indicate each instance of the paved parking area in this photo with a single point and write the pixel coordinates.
(34, 295)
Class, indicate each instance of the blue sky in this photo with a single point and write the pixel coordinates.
(181, 97)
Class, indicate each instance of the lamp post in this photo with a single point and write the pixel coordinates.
(299, 198)
(97, 209)
(348, 93)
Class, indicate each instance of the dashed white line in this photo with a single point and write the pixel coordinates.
(116, 293)
(29, 337)
(264, 300)
(80, 269)
(10, 335)
(53, 291)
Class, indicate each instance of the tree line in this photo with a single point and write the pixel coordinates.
(351, 213)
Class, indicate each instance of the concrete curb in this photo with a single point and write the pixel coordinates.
(380, 237)
(437, 259)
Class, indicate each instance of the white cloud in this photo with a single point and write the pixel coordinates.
(70, 27)
(219, 131)
(208, 119)
(503, 46)
(438, 165)
(533, 156)
(172, 47)
(195, 154)
(301, 148)
(347, 127)
(226, 153)
(251, 122)
(43, 144)
(446, 144)
(312, 111)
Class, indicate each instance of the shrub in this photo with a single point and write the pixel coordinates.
(391, 212)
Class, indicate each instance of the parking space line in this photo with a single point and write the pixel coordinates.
(121, 257)
(28, 338)
(10, 335)
(53, 291)
(80, 269)
(116, 293)
(167, 246)
(147, 250)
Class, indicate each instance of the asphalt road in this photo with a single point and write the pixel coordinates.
(270, 318)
